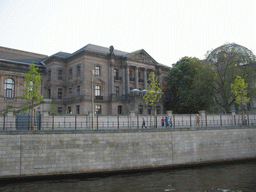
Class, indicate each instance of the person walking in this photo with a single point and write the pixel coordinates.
(166, 122)
(170, 122)
(143, 123)
(197, 120)
(162, 122)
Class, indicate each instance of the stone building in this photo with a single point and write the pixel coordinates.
(13, 65)
(119, 79)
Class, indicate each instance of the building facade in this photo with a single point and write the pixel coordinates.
(112, 80)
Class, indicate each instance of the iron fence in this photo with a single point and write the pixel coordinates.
(126, 122)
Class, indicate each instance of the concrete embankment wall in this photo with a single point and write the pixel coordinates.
(56, 152)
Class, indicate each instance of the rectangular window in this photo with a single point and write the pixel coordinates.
(70, 92)
(78, 90)
(119, 110)
(116, 73)
(97, 70)
(149, 110)
(60, 93)
(60, 74)
(158, 109)
(49, 93)
(49, 75)
(140, 109)
(97, 90)
(59, 110)
(69, 110)
(117, 91)
(70, 74)
(78, 72)
(98, 109)
(77, 109)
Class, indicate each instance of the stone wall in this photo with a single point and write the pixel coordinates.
(56, 152)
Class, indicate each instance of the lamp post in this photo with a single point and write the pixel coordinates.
(92, 73)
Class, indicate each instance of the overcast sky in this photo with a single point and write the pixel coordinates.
(166, 29)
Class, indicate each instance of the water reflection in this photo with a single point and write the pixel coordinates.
(221, 178)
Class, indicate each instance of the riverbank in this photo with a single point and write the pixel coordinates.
(37, 153)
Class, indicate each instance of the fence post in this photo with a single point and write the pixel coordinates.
(235, 119)
(190, 120)
(4, 123)
(206, 120)
(220, 121)
(173, 121)
(118, 122)
(156, 121)
(98, 122)
(248, 123)
(75, 121)
(137, 122)
(53, 122)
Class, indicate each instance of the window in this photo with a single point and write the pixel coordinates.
(116, 72)
(78, 72)
(49, 75)
(49, 93)
(97, 70)
(149, 110)
(59, 110)
(9, 88)
(97, 90)
(59, 93)
(60, 74)
(158, 109)
(70, 74)
(69, 92)
(117, 91)
(69, 110)
(78, 90)
(140, 109)
(119, 110)
(77, 109)
(98, 109)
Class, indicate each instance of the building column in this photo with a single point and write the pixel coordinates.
(145, 79)
(136, 78)
(2, 85)
(111, 79)
(123, 80)
(127, 80)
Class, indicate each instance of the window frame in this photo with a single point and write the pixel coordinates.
(9, 92)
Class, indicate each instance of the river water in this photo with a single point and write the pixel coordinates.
(239, 177)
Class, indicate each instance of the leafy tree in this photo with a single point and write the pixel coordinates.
(230, 61)
(52, 109)
(239, 89)
(190, 86)
(32, 91)
(154, 93)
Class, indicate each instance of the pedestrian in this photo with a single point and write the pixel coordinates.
(166, 122)
(162, 122)
(197, 120)
(170, 122)
(143, 123)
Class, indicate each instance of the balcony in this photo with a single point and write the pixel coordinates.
(98, 97)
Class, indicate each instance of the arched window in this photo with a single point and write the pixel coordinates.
(9, 88)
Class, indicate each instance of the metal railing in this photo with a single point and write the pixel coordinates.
(70, 122)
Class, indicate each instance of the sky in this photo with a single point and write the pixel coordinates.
(166, 29)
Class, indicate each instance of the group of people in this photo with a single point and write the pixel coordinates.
(166, 122)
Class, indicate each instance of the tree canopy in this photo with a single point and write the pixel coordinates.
(230, 61)
(190, 84)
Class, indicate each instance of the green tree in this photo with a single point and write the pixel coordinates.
(52, 109)
(239, 89)
(32, 90)
(154, 93)
(230, 61)
(190, 86)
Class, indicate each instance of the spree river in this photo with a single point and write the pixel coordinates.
(239, 177)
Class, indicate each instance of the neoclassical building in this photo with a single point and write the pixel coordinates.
(115, 86)
(13, 66)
